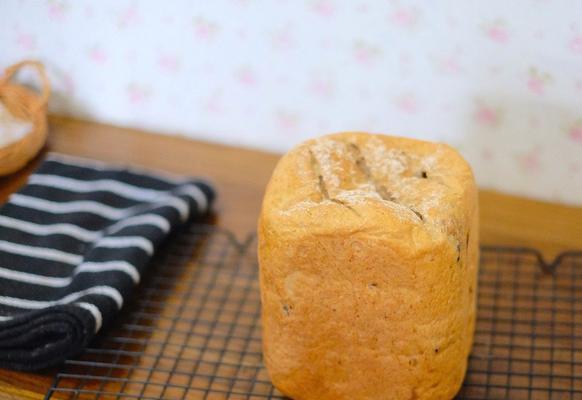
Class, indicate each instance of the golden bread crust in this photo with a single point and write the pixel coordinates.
(368, 261)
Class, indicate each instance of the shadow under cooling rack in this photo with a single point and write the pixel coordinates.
(193, 329)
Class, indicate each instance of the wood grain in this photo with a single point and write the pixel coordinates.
(240, 176)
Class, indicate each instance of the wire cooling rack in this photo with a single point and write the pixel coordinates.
(193, 330)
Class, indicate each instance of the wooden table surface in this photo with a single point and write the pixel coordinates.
(240, 176)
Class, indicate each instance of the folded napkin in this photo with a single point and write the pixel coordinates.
(74, 241)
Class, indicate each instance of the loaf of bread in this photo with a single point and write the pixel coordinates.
(368, 255)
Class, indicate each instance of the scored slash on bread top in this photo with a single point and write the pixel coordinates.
(406, 189)
(411, 180)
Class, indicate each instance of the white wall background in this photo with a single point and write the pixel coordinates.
(500, 80)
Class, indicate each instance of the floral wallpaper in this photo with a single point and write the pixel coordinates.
(499, 80)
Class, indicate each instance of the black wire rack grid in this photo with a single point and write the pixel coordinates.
(193, 329)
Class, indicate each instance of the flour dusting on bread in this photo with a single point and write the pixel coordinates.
(353, 171)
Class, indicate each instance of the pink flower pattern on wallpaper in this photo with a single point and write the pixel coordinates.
(365, 53)
(325, 8)
(25, 41)
(169, 63)
(213, 103)
(322, 86)
(486, 115)
(204, 29)
(576, 44)
(282, 39)
(487, 154)
(56, 10)
(575, 132)
(503, 89)
(449, 64)
(530, 162)
(98, 55)
(405, 17)
(537, 81)
(496, 31)
(137, 94)
(287, 120)
(246, 76)
(129, 17)
(407, 103)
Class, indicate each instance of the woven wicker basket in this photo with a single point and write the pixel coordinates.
(26, 105)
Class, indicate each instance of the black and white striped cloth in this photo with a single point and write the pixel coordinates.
(74, 241)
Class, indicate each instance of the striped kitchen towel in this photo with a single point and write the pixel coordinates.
(74, 241)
